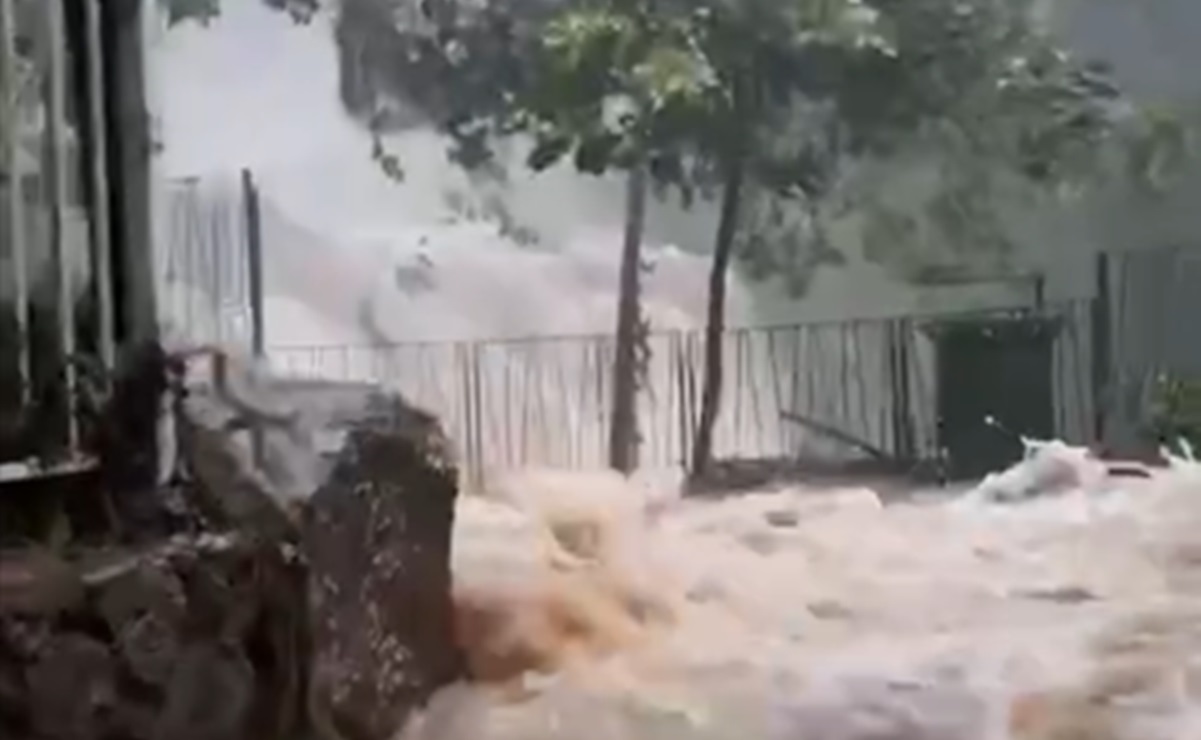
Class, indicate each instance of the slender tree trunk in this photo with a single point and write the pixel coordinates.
(715, 326)
(623, 429)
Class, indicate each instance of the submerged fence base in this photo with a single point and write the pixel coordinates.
(545, 402)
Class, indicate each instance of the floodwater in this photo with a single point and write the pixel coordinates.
(603, 609)
(599, 609)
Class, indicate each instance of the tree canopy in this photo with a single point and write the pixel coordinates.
(585, 77)
(977, 86)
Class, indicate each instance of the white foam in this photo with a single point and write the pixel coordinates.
(824, 615)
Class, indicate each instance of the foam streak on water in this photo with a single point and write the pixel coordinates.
(825, 616)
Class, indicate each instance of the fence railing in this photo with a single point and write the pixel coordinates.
(1149, 301)
(208, 270)
(545, 401)
(56, 288)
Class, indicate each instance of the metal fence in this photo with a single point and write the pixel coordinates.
(56, 301)
(546, 401)
(205, 260)
(1149, 301)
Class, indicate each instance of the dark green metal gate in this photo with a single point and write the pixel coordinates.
(999, 369)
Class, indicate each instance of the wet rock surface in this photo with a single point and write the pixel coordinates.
(303, 593)
(118, 663)
(378, 537)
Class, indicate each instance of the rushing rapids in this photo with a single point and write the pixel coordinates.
(596, 607)
(588, 605)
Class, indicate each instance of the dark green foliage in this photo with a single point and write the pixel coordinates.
(769, 102)
(1177, 411)
(205, 12)
(201, 11)
(681, 82)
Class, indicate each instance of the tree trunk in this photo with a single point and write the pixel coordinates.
(723, 253)
(623, 430)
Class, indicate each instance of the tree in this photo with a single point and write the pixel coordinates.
(608, 86)
(597, 83)
(865, 79)
(756, 99)
(1017, 124)
(603, 84)
(759, 55)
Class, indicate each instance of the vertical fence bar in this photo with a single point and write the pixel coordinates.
(477, 400)
(254, 258)
(1102, 348)
(831, 360)
(56, 38)
(101, 229)
(254, 269)
(14, 193)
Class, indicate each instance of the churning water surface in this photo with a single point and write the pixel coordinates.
(595, 607)
(598, 608)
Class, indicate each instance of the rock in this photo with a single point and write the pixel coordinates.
(147, 587)
(149, 646)
(14, 701)
(210, 695)
(331, 558)
(378, 536)
(229, 490)
(22, 639)
(72, 687)
(125, 438)
(35, 581)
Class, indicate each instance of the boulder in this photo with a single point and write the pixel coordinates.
(72, 686)
(305, 579)
(377, 535)
(374, 485)
(36, 582)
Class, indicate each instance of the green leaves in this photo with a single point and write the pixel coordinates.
(612, 85)
(1176, 410)
(672, 74)
(1159, 144)
(548, 150)
(800, 91)
(205, 12)
(201, 11)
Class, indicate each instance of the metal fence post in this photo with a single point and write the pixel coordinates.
(254, 257)
(14, 193)
(1102, 348)
(102, 271)
(56, 38)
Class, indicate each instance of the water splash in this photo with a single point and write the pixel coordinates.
(590, 605)
(255, 91)
(824, 615)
